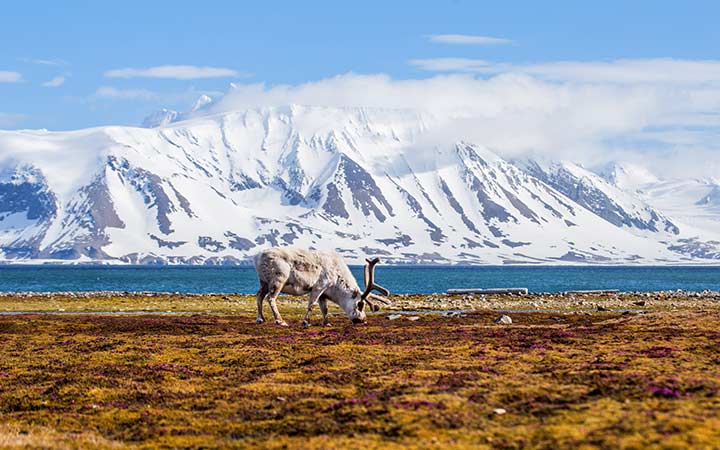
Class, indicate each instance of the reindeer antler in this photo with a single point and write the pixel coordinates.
(370, 285)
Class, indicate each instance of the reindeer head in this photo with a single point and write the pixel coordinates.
(354, 302)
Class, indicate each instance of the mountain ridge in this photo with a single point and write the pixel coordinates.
(215, 188)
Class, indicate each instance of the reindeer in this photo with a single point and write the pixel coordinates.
(322, 274)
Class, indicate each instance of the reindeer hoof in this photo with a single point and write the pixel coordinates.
(282, 323)
(259, 320)
(305, 323)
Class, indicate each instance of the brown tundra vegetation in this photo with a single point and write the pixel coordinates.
(618, 371)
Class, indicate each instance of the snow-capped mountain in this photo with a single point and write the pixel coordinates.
(627, 176)
(215, 189)
(602, 198)
(694, 202)
(711, 199)
(161, 118)
(165, 116)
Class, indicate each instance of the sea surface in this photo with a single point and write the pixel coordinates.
(398, 279)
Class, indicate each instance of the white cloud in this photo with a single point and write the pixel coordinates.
(7, 76)
(467, 39)
(44, 62)
(631, 71)
(55, 82)
(110, 92)
(659, 70)
(619, 113)
(452, 64)
(176, 72)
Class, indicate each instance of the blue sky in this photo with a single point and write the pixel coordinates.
(58, 58)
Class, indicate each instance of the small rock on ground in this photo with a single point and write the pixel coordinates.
(394, 316)
(499, 411)
(504, 319)
(453, 314)
(413, 318)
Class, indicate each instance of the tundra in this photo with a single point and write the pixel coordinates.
(324, 275)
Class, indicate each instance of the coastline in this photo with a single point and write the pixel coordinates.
(244, 304)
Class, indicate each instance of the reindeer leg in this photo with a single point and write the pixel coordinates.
(271, 298)
(315, 294)
(261, 293)
(324, 310)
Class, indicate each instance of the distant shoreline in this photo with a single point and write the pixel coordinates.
(178, 304)
(248, 264)
(399, 279)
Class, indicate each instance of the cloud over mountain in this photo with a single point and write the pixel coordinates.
(588, 113)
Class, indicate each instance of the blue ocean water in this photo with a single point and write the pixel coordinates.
(398, 279)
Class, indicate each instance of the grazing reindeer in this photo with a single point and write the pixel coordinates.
(322, 274)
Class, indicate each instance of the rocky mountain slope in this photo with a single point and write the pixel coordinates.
(214, 189)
